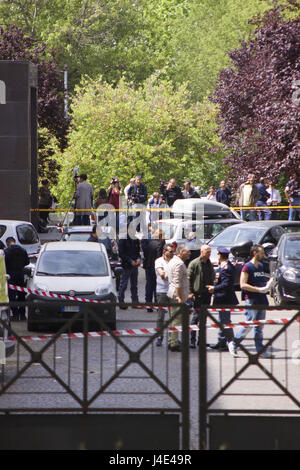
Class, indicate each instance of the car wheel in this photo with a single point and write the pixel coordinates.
(277, 295)
(32, 324)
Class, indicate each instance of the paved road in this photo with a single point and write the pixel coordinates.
(133, 388)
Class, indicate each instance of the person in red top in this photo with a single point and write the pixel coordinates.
(114, 193)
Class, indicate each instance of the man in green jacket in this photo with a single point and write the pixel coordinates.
(201, 274)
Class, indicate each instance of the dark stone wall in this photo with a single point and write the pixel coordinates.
(18, 141)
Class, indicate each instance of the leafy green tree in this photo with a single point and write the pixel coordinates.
(93, 37)
(151, 130)
(202, 38)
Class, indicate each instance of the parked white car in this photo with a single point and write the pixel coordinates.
(76, 269)
(23, 232)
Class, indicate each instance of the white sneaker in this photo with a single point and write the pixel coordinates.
(267, 355)
(232, 349)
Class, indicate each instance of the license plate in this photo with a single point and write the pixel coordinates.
(71, 308)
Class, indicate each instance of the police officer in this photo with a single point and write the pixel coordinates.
(224, 294)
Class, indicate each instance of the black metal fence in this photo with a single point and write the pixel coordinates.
(90, 372)
(249, 385)
(102, 371)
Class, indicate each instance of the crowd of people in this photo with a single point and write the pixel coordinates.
(250, 194)
(172, 279)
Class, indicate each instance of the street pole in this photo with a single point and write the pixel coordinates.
(202, 380)
(66, 96)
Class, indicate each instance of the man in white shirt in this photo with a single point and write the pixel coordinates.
(162, 285)
(178, 291)
(131, 183)
(274, 198)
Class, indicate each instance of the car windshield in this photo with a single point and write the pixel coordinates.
(235, 234)
(292, 248)
(72, 263)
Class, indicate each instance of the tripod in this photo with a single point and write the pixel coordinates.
(69, 209)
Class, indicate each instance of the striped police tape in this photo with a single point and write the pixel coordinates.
(80, 299)
(150, 331)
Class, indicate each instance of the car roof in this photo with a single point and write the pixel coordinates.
(211, 205)
(291, 235)
(191, 221)
(271, 223)
(73, 246)
(14, 222)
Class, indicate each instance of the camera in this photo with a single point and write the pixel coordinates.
(162, 187)
(75, 173)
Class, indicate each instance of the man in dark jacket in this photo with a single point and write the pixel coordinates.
(129, 252)
(262, 202)
(137, 196)
(173, 192)
(224, 294)
(223, 194)
(152, 250)
(16, 259)
(201, 273)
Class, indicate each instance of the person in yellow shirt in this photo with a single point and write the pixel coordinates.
(247, 196)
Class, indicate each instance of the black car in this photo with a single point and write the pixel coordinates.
(239, 239)
(285, 269)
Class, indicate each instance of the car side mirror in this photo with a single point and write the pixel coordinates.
(268, 247)
(28, 271)
(118, 271)
(273, 256)
(242, 250)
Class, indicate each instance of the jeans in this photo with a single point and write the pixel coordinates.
(17, 278)
(150, 285)
(245, 212)
(293, 212)
(227, 335)
(263, 214)
(258, 330)
(129, 273)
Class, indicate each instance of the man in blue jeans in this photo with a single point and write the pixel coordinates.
(292, 193)
(129, 252)
(254, 289)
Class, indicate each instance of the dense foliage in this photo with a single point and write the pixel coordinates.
(184, 44)
(259, 100)
(151, 130)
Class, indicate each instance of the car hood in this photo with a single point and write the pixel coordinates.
(292, 264)
(68, 283)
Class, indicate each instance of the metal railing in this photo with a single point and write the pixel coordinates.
(250, 384)
(95, 371)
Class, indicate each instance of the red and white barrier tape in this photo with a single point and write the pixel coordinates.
(51, 295)
(150, 331)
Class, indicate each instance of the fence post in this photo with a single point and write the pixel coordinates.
(185, 378)
(202, 380)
